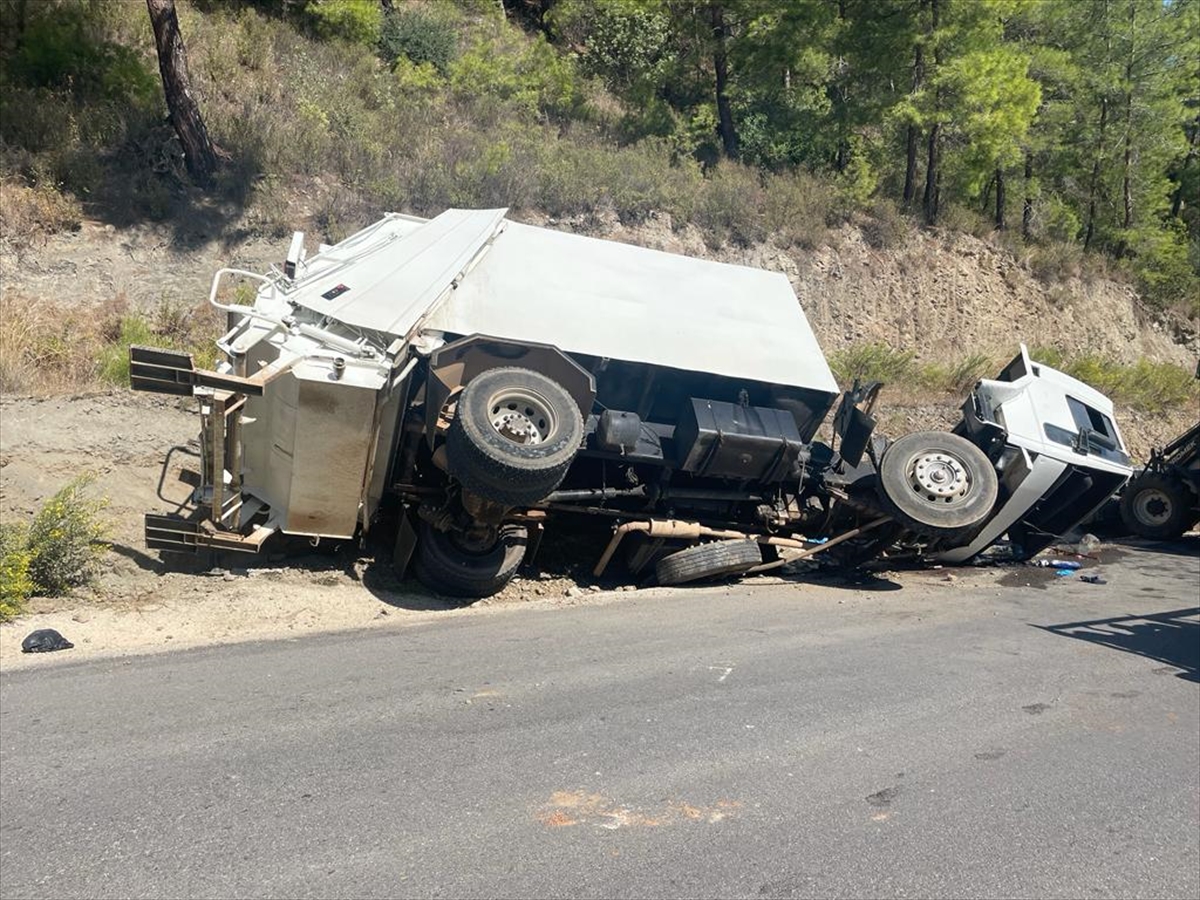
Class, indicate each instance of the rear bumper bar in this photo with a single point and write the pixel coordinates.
(179, 535)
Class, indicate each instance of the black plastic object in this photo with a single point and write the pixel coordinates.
(856, 434)
(618, 431)
(726, 440)
(45, 640)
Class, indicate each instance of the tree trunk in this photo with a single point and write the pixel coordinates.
(914, 137)
(1193, 140)
(933, 175)
(1126, 182)
(933, 159)
(1094, 185)
(1127, 161)
(20, 25)
(1027, 212)
(999, 199)
(721, 66)
(986, 202)
(910, 168)
(198, 152)
(840, 98)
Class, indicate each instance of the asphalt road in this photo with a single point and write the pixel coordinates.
(948, 739)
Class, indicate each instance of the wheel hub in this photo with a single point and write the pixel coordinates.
(517, 428)
(474, 541)
(940, 477)
(1153, 507)
(521, 416)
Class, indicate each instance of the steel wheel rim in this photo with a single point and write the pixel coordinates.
(1152, 506)
(521, 416)
(939, 477)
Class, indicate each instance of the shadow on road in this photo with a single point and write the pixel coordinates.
(1188, 545)
(1170, 637)
(849, 579)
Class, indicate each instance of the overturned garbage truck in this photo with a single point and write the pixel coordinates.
(466, 380)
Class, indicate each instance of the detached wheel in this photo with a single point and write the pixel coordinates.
(453, 564)
(708, 561)
(1156, 506)
(514, 436)
(937, 483)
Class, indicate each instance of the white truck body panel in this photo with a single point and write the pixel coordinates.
(473, 272)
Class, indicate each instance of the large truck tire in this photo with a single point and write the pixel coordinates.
(448, 565)
(708, 561)
(513, 436)
(1157, 506)
(937, 483)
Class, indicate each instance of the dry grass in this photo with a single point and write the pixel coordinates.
(1144, 386)
(29, 213)
(958, 375)
(48, 347)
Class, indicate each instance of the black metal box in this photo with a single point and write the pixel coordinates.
(747, 443)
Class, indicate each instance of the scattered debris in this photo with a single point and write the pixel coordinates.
(1093, 579)
(45, 640)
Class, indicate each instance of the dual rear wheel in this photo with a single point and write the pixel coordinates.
(511, 442)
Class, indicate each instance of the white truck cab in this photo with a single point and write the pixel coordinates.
(1057, 450)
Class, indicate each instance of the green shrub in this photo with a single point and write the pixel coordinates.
(884, 227)
(357, 21)
(955, 377)
(731, 204)
(114, 357)
(1055, 219)
(67, 539)
(872, 362)
(1166, 275)
(171, 325)
(59, 48)
(16, 584)
(797, 208)
(419, 36)
(1051, 263)
(1144, 385)
(626, 42)
(509, 74)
